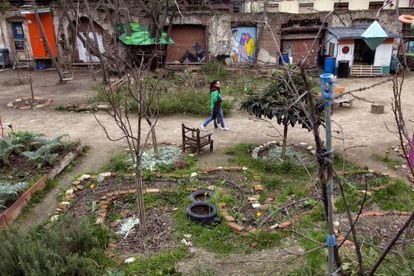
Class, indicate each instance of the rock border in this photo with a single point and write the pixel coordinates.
(45, 102)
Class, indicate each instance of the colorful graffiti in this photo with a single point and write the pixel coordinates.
(243, 45)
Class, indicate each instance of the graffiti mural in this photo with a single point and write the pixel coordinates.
(243, 45)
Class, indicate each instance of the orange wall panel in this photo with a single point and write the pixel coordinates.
(38, 47)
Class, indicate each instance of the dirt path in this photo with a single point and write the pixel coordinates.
(360, 127)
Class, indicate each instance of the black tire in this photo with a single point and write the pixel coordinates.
(202, 218)
(194, 195)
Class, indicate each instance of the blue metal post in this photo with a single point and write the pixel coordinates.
(327, 94)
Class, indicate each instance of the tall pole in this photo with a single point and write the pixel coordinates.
(326, 85)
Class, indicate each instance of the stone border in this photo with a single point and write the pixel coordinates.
(46, 102)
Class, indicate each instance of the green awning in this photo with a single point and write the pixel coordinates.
(141, 36)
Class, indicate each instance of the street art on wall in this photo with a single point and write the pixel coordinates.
(243, 45)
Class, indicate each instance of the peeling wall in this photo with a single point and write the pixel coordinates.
(219, 30)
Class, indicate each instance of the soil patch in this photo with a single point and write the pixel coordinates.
(159, 233)
(379, 229)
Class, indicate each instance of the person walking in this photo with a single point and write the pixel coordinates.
(215, 107)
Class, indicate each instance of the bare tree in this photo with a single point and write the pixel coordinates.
(141, 90)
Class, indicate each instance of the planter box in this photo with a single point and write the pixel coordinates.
(14, 210)
(11, 213)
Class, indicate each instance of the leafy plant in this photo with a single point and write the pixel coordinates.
(10, 192)
(47, 154)
(7, 149)
(279, 101)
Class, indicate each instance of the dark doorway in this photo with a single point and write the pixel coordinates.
(363, 54)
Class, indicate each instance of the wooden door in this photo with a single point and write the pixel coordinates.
(38, 46)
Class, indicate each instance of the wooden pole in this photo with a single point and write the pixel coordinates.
(31, 90)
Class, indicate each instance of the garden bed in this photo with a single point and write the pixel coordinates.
(25, 158)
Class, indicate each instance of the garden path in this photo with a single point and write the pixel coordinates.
(360, 127)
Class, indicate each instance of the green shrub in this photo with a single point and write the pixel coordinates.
(65, 249)
(190, 102)
(215, 71)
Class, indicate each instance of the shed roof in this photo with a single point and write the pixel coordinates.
(354, 32)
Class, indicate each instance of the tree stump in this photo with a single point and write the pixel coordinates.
(377, 108)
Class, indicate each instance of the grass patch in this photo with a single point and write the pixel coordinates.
(162, 263)
(397, 195)
(391, 163)
(38, 196)
(189, 102)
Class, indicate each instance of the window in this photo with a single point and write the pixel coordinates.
(272, 6)
(341, 6)
(18, 36)
(375, 5)
(306, 8)
(411, 46)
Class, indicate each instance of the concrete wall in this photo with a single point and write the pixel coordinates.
(4, 38)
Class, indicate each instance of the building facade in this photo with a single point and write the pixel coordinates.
(311, 6)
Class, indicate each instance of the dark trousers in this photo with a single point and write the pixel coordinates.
(191, 57)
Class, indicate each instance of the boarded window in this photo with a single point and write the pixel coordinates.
(341, 6)
(306, 8)
(375, 5)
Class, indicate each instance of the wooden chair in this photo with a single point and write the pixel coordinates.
(194, 141)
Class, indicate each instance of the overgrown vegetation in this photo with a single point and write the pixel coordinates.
(9, 192)
(68, 248)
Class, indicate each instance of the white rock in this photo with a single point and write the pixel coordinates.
(274, 226)
(102, 176)
(211, 188)
(220, 167)
(256, 205)
(310, 148)
(303, 144)
(336, 223)
(191, 154)
(106, 174)
(10, 105)
(84, 177)
(129, 260)
(193, 174)
(54, 218)
(185, 242)
(70, 192)
(244, 168)
(187, 236)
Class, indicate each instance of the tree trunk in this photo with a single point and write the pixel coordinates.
(95, 38)
(285, 133)
(153, 137)
(46, 43)
(140, 195)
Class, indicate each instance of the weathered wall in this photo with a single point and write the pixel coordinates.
(292, 6)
